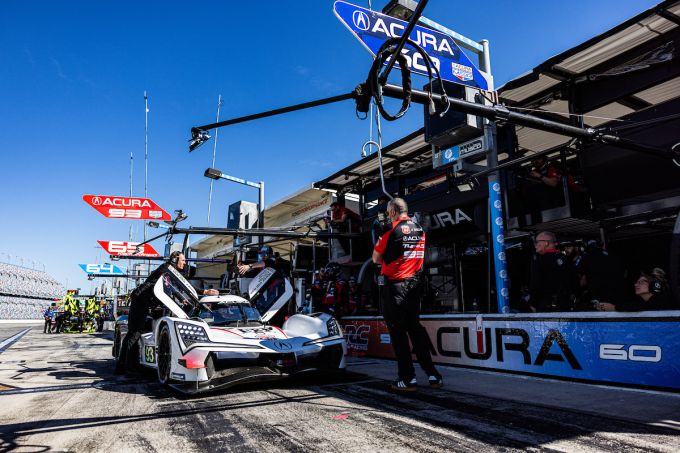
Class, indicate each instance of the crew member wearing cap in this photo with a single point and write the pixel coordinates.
(401, 251)
(265, 259)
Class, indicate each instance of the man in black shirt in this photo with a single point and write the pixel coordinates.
(552, 276)
(265, 258)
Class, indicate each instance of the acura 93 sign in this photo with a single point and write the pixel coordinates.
(126, 207)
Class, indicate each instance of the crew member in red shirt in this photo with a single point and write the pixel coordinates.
(401, 251)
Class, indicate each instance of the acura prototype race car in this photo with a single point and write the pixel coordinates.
(219, 341)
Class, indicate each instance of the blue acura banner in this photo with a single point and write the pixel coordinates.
(372, 29)
(641, 349)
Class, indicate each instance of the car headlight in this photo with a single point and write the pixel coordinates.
(333, 328)
(191, 333)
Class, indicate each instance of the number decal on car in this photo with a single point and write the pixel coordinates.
(150, 354)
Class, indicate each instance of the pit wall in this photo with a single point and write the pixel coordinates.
(630, 349)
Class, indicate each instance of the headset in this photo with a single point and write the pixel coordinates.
(174, 257)
(655, 285)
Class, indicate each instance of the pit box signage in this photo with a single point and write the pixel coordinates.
(464, 150)
(372, 29)
(101, 269)
(125, 248)
(114, 207)
(637, 349)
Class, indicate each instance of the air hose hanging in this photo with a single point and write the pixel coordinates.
(373, 87)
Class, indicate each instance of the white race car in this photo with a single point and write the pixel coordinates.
(226, 340)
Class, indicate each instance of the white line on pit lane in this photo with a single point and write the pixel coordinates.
(8, 342)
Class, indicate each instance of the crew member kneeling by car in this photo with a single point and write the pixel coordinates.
(401, 251)
(141, 300)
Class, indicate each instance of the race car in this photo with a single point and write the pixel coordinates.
(77, 318)
(220, 341)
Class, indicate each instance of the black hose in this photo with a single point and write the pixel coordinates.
(374, 85)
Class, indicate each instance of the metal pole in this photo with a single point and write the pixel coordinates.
(261, 209)
(496, 217)
(132, 163)
(146, 150)
(219, 104)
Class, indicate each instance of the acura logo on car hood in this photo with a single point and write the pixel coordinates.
(282, 345)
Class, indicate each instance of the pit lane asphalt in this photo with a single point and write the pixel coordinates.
(58, 393)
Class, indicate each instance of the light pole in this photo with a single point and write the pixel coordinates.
(214, 173)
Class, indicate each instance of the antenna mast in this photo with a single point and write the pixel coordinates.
(219, 104)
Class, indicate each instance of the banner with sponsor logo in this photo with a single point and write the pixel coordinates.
(632, 349)
(126, 207)
(125, 248)
(373, 29)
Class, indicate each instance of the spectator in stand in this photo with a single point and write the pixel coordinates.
(552, 277)
(652, 293)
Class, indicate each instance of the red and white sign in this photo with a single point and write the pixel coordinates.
(126, 207)
(124, 248)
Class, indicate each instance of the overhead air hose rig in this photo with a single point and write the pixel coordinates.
(376, 88)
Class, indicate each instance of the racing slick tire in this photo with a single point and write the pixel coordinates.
(164, 355)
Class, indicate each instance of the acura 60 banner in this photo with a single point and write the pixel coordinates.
(634, 349)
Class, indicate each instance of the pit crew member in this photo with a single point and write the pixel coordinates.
(401, 251)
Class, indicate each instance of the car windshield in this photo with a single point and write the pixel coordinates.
(225, 313)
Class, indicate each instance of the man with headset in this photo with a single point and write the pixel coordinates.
(652, 293)
(141, 300)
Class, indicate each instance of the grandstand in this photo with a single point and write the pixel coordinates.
(25, 292)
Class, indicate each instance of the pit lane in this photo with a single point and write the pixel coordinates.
(58, 392)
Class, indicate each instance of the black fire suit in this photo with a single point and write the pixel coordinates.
(141, 301)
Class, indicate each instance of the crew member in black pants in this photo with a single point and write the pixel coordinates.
(141, 300)
(401, 251)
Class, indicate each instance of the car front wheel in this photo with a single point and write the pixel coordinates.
(164, 359)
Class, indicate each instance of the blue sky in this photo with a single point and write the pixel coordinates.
(73, 74)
